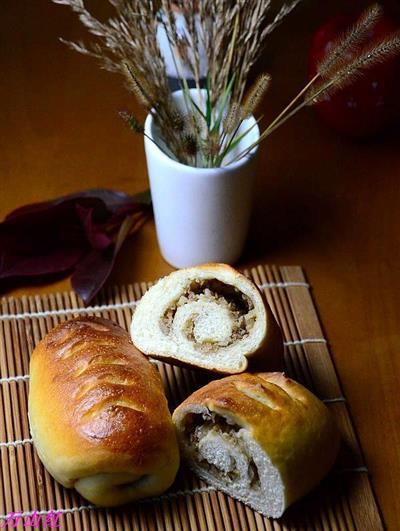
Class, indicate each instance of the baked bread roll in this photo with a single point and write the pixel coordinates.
(98, 414)
(262, 438)
(210, 317)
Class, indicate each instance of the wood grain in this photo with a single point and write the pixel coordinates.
(323, 201)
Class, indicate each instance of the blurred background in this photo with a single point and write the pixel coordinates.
(324, 201)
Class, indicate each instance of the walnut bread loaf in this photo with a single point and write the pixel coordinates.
(262, 438)
(211, 317)
(98, 414)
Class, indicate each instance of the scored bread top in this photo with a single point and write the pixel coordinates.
(96, 404)
(289, 423)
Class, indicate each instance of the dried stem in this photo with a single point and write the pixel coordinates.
(211, 123)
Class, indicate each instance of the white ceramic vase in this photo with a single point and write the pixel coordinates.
(202, 215)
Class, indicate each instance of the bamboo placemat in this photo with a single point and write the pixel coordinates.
(344, 501)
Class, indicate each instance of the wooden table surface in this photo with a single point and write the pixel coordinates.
(327, 203)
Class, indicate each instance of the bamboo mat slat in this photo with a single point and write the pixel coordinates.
(344, 501)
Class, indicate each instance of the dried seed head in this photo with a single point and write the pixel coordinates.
(125, 115)
(349, 41)
(255, 95)
(233, 118)
(212, 146)
(375, 54)
(194, 124)
(177, 120)
(189, 143)
(136, 88)
(132, 121)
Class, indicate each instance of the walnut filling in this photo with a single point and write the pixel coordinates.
(219, 449)
(230, 300)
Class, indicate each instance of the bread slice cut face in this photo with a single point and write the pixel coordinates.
(224, 455)
(209, 316)
(261, 438)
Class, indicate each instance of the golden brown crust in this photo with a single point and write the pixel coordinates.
(96, 403)
(290, 424)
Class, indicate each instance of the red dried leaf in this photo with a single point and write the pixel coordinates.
(60, 260)
(94, 269)
(95, 234)
(55, 236)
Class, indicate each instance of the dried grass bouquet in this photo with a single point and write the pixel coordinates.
(231, 33)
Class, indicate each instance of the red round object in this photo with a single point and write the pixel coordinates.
(371, 103)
